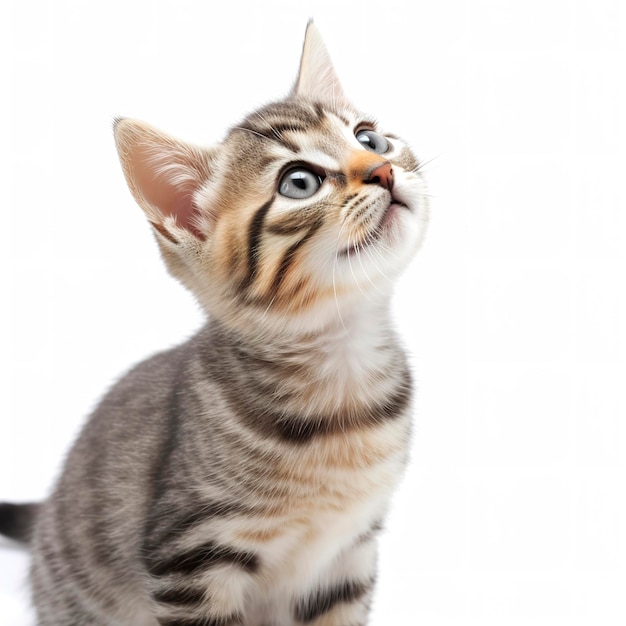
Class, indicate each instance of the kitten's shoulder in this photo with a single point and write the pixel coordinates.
(148, 385)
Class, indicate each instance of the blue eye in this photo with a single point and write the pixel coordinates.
(372, 141)
(299, 183)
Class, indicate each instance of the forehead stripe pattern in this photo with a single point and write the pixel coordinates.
(279, 117)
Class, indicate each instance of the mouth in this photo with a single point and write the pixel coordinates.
(375, 234)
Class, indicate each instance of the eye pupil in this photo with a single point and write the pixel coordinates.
(299, 183)
(372, 141)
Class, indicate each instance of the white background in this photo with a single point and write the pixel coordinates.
(514, 508)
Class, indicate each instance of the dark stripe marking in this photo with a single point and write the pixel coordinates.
(289, 226)
(187, 522)
(180, 596)
(326, 599)
(298, 430)
(340, 117)
(254, 242)
(289, 257)
(232, 620)
(304, 113)
(286, 127)
(204, 557)
(274, 133)
(319, 111)
(370, 534)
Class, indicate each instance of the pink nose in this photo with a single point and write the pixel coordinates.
(381, 175)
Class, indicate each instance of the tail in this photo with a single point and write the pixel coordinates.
(17, 520)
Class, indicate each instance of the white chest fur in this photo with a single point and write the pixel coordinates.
(316, 537)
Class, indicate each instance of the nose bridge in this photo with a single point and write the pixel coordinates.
(369, 168)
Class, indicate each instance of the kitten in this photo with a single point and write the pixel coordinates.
(242, 477)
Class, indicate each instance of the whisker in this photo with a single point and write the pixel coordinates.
(252, 132)
(357, 248)
(422, 164)
(343, 223)
(369, 239)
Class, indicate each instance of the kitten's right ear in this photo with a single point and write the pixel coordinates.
(163, 175)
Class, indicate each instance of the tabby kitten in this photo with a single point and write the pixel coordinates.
(241, 478)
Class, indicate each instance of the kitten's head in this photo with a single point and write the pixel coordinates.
(304, 213)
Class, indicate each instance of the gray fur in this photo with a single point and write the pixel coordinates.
(241, 478)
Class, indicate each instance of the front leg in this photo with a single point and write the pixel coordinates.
(343, 596)
(202, 586)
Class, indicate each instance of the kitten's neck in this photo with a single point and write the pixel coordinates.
(354, 361)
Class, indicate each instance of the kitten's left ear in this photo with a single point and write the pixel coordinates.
(164, 175)
(317, 78)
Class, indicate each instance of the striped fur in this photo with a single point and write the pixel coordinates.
(240, 479)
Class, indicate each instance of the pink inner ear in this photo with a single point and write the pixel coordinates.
(169, 199)
(186, 214)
